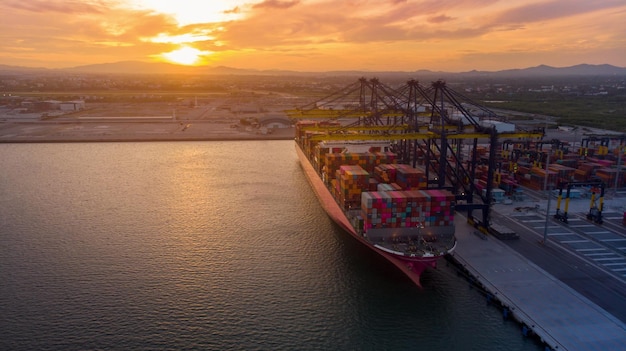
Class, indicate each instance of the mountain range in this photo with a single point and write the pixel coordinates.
(138, 67)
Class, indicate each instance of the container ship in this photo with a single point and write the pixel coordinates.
(385, 205)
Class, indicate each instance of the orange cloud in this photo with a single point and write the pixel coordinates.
(275, 4)
(42, 6)
(59, 34)
(549, 10)
(440, 19)
(321, 34)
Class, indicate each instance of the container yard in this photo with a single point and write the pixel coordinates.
(536, 168)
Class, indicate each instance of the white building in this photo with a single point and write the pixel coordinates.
(76, 105)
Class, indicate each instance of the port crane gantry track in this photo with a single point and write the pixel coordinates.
(428, 125)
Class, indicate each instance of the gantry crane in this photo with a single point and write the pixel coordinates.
(426, 124)
(595, 208)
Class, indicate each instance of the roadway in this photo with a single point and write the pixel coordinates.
(588, 257)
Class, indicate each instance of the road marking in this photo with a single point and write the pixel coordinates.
(600, 249)
(600, 254)
(615, 264)
(574, 241)
(581, 226)
(610, 259)
(594, 233)
(562, 233)
(614, 240)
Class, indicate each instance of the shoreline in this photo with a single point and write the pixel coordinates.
(136, 139)
(107, 131)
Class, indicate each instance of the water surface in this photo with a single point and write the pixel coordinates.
(206, 246)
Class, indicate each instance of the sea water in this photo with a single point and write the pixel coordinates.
(217, 245)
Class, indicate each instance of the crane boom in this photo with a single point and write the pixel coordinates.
(326, 114)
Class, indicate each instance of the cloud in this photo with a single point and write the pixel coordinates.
(298, 32)
(276, 4)
(234, 10)
(440, 19)
(548, 10)
(58, 32)
(356, 21)
(44, 6)
(364, 27)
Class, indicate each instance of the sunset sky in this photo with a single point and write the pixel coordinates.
(315, 35)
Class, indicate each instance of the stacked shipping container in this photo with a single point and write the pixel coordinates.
(352, 180)
(410, 178)
(404, 209)
(609, 176)
(405, 176)
(366, 160)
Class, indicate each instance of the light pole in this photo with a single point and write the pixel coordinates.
(545, 227)
(545, 181)
(545, 186)
(619, 165)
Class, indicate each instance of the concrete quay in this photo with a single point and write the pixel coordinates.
(561, 317)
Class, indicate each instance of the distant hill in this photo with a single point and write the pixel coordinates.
(138, 67)
(548, 71)
(132, 67)
(16, 70)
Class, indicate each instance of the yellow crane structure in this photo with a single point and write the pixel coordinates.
(417, 120)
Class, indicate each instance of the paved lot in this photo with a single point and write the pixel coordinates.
(585, 256)
(600, 244)
(562, 317)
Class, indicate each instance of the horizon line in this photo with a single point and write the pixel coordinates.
(301, 71)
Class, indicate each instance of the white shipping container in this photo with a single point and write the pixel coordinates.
(500, 126)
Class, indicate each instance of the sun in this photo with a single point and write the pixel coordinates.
(184, 56)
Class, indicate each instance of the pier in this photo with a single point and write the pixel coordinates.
(544, 306)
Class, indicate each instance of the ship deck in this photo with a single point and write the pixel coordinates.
(413, 244)
(410, 242)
